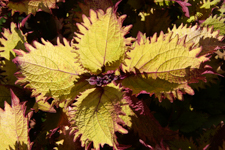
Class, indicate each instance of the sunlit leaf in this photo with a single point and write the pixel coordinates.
(216, 22)
(205, 37)
(96, 116)
(163, 65)
(43, 106)
(12, 39)
(101, 42)
(50, 71)
(13, 124)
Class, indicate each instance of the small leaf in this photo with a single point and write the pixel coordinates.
(13, 39)
(221, 10)
(43, 106)
(32, 6)
(101, 42)
(164, 2)
(205, 37)
(163, 66)
(207, 4)
(50, 70)
(10, 40)
(184, 5)
(216, 22)
(96, 116)
(13, 124)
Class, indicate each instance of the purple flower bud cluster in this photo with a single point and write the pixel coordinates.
(102, 80)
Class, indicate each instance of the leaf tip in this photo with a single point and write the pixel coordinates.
(15, 99)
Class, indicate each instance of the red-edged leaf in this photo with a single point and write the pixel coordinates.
(13, 124)
(95, 116)
(164, 66)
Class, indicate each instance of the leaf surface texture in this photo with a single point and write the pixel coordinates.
(205, 37)
(101, 41)
(49, 70)
(216, 22)
(96, 116)
(13, 124)
(163, 65)
(12, 38)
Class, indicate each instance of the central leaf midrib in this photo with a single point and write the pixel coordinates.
(52, 69)
(104, 57)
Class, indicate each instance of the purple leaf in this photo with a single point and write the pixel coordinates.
(184, 6)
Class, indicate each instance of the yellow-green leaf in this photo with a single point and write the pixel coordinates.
(13, 124)
(32, 6)
(207, 4)
(163, 65)
(216, 22)
(101, 42)
(44, 106)
(205, 37)
(96, 116)
(12, 39)
(50, 71)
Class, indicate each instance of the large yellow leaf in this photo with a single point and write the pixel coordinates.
(163, 65)
(13, 124)
(50, 71)
(96, 116)
(101, 43)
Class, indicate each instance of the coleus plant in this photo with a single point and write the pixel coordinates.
(90, 85)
